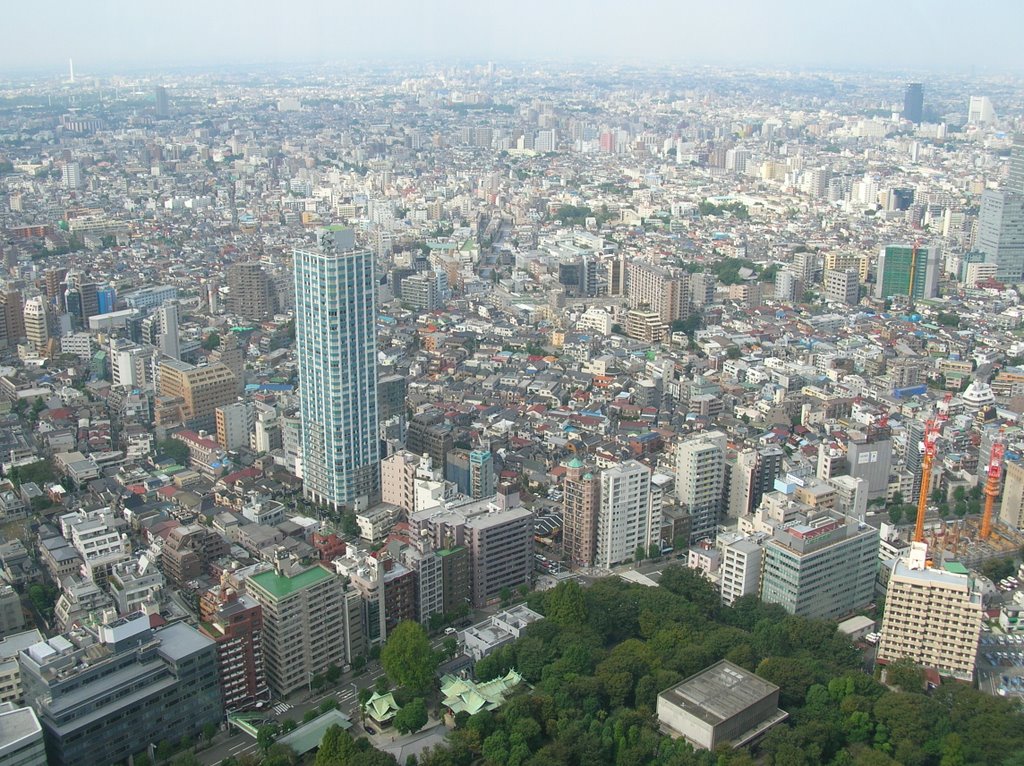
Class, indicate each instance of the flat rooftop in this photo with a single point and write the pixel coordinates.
(718, 693)
(280, 586)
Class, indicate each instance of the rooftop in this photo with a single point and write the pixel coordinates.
(280, 586)
(718, 693)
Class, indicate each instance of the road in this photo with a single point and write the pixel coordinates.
(346, 692)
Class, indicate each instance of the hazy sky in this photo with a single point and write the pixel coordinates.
(104, 35)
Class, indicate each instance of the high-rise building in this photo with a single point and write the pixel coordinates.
(655, 288)
(626, 519)
(235, 623)
(167, 318)
(481, 473)
(909, 271)
(932, 616)
(869, 457)
(500, 552)
(913, 102)
(235, 422)
(201, 391)
(12, 317)
(846, 261)
(821, 567)
(980, 111)
(163, 107)
(71, 175)
(1015, 182)
(250, 291)
(741, 567)
(430, 434)
(1001, 232)
(842, 286)
(103, 695)
(310, 622)
(700, 480)
(580, 504)
(336, 347)
(1011, 512)
(37, 326)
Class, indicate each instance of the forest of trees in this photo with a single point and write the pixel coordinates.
(596, 664)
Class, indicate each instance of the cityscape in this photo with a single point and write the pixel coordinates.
(484, 410)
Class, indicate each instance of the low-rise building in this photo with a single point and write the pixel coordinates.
(722, 704)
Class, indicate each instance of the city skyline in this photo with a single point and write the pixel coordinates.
(872, 35)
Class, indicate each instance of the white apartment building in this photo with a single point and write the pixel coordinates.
(932, 616)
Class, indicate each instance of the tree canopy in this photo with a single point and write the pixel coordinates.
(408, 658)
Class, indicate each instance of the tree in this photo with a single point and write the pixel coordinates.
(412, 717)
(209, 731)
(186, 759)
(564, 604)
(265, 736)
(408, 658)
(164, 751)
(211, 341)
(895, 513)
(639, 554)
(653, 551)
(506, 596)
(905, 674)
(175, 450)
(450, 646)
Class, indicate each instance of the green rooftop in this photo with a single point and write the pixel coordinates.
(955, 567)
(280, 586)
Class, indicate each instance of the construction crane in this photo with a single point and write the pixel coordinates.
(995, 467)
(913, 270)
(931, 440)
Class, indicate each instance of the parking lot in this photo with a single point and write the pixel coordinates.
(1001, 664)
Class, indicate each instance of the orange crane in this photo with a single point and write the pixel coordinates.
(995, 466)
(931, 439)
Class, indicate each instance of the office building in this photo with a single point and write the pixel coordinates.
(842, 287)
(721, 705)
(1001, 233)
(197, 391)
(822, 567)
(336, 348)
(311, 621)
(21, 737)
(626, 520)
(906, 270)
(250, 291)
(580, 505)
(455, 579)
(235, 623)
(913, 102)
(869, 457)
(932, 616)
(104, 695)
(700, 480)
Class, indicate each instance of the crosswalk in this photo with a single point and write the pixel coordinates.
(282, 707)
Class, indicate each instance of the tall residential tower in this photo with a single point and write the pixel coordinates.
(336, 344)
